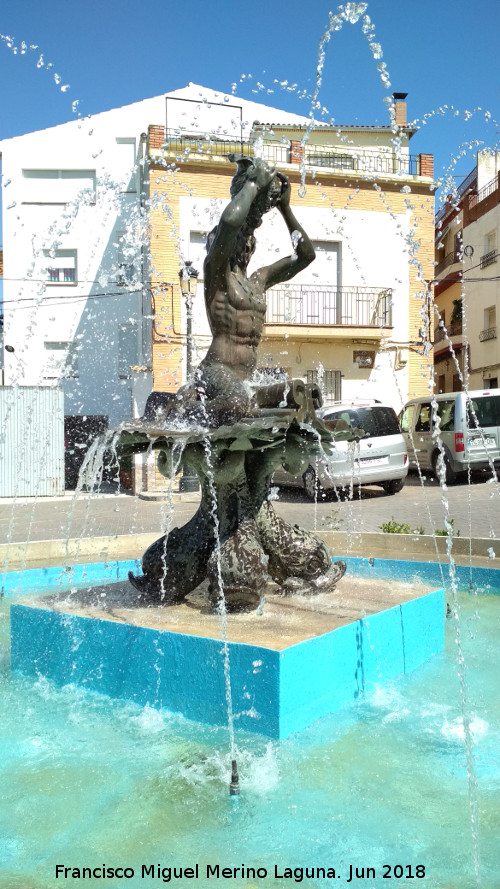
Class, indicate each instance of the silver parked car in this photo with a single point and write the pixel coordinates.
(380, 457)
(465, 426)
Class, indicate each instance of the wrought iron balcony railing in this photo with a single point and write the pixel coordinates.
(326, 156)
(484, 192)
(488, 259)
(454, 329)
(328, 305)
(447, 260)
(489, 334)
(464, 186)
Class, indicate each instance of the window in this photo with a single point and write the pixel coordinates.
(58, 186)
(423, 423)
(490, 317)
(197, 251)
(446, 413)
(329, 381)
(406, 418)
(490, 250)
(483, 412)
(60, 267)
(334, 161)
(60, 361)
(490, 383)
(375, 421)
(490, 242)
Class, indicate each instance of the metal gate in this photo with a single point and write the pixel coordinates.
(31, 441)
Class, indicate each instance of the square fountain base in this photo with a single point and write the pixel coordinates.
(300, 659)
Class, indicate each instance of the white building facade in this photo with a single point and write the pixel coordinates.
(79, 264)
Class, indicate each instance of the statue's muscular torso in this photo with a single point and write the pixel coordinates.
(236, 311)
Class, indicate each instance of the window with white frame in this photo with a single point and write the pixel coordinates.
(490, 241)
(490, 249)
(60, 267)
(60, 360)
(490, 317)
(58, 186)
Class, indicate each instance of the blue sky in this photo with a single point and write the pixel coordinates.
(109, 53)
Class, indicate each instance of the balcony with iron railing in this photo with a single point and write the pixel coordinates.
(449, 259)
(489, 334)
(327, 305)
(441, 333)
(488, 259)
(484, 200)
(453, 201)
(345, 158)
(484, 192)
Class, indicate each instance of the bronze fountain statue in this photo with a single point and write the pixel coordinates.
(234, 435)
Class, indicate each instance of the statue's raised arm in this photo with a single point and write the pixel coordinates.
(303, 254)
(251, 196)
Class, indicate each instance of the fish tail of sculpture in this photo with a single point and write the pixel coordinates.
(297, 558)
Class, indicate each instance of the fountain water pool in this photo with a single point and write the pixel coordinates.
(88, 781)
(295, 660)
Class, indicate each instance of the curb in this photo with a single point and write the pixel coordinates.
(398, 546)
(367, 544)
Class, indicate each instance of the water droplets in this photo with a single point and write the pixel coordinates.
(352, 12)
(384, 74)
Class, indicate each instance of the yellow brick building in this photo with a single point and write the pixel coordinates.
(359, 318)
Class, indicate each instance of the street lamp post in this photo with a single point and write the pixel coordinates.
(188, 277)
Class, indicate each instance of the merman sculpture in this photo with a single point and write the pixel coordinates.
(234, 435)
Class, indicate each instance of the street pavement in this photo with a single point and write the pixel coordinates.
(474, 510)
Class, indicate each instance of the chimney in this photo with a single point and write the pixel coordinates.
(400, 108)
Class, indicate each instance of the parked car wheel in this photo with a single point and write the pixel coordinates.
(450, 475)
(312, 487)
(394, 486)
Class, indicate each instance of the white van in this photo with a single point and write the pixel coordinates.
(469, 428)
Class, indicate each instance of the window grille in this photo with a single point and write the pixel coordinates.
(329, 381)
